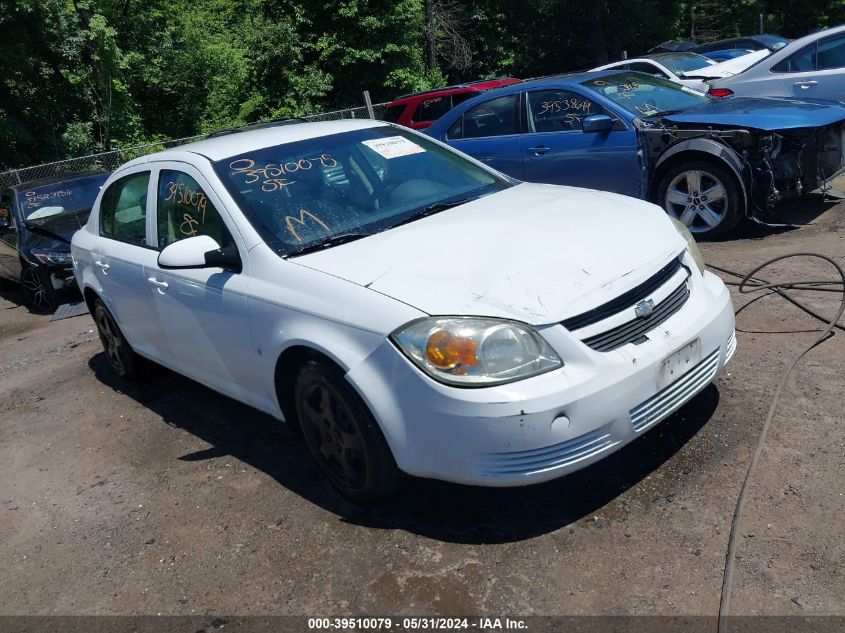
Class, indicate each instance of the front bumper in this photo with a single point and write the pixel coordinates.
(553, 424)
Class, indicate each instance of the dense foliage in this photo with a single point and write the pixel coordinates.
(82, 76)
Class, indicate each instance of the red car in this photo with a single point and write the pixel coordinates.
(421, 109)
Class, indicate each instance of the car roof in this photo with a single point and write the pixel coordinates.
(568, 78)
(50, 180)
(478, 84)
(234, 143)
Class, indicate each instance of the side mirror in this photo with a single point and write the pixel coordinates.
(597, 123)
(200, 251)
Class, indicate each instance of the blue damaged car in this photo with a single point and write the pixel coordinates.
(707, 162)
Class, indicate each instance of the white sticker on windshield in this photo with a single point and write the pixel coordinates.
(393, 146)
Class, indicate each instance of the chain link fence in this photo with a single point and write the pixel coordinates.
(109, 161)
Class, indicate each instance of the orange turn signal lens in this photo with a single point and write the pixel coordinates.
(444, 350)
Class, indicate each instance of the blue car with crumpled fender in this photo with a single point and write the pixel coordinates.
(707, 162)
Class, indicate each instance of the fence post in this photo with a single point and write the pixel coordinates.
(369, 104)
(624, 54)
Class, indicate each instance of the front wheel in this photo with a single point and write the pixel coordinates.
(703, 196)
(342, 434)
(120, 356)
(38, 291)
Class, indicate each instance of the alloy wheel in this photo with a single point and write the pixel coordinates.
(35, 291)
(698, 199)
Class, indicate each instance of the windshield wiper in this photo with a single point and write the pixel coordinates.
(37, 228)
(334, 240)
(433, 208)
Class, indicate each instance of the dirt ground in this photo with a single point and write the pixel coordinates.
(166, 498)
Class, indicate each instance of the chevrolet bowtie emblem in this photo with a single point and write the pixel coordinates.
(644, 308)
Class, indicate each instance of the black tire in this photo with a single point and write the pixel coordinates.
(705, 216)
(38, 291)
(120, 356)
(342, 434)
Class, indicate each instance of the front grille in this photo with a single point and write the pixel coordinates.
(672, 397)
(540, 459)
(634, 330)
(626, 300)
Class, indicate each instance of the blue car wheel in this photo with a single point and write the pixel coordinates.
(702, 195)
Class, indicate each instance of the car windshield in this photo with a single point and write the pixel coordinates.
(644, 95)
(680, 63)
(38, 204)
(319, 192)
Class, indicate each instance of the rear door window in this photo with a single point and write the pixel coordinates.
(831, 53)
(432, 109)
(123, 210)
(496, 117)
(392, 114)
(803, 61)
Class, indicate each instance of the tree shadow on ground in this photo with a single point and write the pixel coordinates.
(438, 510)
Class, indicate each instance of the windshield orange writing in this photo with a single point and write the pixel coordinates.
(303, 214)
(271, 174)
(183, 195)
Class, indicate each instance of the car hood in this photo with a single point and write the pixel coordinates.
(535, 253)
(762, 114)
(51, 232)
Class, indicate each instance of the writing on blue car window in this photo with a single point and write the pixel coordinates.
(556, 110)
(645, 95)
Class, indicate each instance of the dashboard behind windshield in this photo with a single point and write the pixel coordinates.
(299, 194)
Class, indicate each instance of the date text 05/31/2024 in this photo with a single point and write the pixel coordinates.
(416, 624)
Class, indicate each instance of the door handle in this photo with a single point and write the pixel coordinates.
(161, 285)
(103, 266)
(539, 150)
(806, 84)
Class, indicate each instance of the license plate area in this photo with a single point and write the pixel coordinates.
(678, 363)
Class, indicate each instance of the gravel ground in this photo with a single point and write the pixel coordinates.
(164, 497)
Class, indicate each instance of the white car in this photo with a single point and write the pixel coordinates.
(407, 307)
(812, 67)
(671, 66)
(729, 67)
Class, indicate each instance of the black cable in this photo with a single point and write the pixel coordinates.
(752, 283)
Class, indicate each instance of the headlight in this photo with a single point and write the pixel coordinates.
(681, 228)
(51, 257)
(475, 352)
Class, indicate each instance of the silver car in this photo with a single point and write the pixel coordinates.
(812, 67)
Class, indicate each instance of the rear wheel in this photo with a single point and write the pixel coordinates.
(342, 434)
(121, 357)
(703, 196)
(38, 290)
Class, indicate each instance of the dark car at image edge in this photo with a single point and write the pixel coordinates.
(37, 221)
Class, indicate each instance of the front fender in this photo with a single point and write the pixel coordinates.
(724, 154)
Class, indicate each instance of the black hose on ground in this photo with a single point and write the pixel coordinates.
(752, 283)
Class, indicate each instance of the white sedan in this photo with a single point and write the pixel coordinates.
(672, 66)
(812, 67)
(406, 307)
